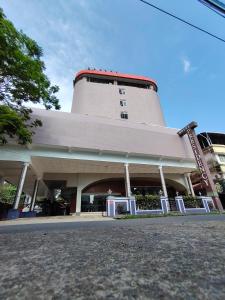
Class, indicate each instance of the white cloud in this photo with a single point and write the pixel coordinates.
(74, 45)
(186, 65)
(71, 34)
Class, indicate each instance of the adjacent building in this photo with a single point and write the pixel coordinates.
(213, 146)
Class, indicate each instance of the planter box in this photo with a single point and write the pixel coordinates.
(27, 214)
(149, 211)
(13, 214)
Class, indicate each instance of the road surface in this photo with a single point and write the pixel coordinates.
(160, 258)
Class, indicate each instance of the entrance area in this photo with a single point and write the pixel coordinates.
(94, 196)
(75, 182)
(94, 203)
(61, 200)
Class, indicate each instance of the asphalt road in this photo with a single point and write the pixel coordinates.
(160, 258)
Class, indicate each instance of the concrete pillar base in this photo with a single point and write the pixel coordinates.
(165, 204)
(180, 204)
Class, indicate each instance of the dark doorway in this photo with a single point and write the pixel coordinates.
(61, 200)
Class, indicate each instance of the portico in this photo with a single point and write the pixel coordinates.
(84, 169)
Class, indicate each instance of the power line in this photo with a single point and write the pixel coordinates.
(216, 4)
(217, 9)
(182, 20)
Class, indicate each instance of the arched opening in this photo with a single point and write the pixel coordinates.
(94, 195)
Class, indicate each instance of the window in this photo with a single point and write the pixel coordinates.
(138, 85)
(99, 80)
(222, 158)
(122, 91)
(124, 115)
(123, 102)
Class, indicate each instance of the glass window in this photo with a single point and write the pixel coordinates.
(123, 102)
(99, 80)
(92, 203)
(124, 115)
(122, 91)
(138, 85)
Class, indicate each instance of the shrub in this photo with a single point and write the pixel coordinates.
(148, 202)
(192, 202)
(7, 193)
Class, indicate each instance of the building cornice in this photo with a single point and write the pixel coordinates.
(22, 154)
(115, 75)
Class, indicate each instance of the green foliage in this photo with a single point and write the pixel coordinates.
(7, 193)
(22, 81)
(148, 202)
(192, 202)
(219, 187)
(13, 124)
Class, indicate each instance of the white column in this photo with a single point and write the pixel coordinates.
(187, 184)
(190, 184)
(78, 201)
(46, 192)
(36, 184)
(1, 180)
(163, 181)
(127, 177)
(20, 185)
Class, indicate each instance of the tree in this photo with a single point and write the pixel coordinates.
(22, 81)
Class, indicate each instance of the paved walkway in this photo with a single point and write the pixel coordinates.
(160, 258)
(55, 219)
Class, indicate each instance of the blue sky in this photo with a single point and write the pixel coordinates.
(128, 36)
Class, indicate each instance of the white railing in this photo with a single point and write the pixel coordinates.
(205, 203)
(128, 205)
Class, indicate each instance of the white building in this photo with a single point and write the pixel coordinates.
(116, 127)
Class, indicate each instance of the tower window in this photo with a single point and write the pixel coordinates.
(99, 80)
(122, 91)
(123, 102)
(124, 115)
(137, 85)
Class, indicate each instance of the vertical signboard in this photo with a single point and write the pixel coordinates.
(206, 178)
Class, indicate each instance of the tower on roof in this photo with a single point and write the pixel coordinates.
(117, 96)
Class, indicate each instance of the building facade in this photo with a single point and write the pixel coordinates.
(114, 141)
(213, 146)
